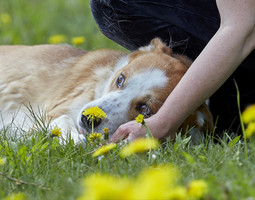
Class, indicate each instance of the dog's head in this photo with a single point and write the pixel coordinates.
(140, 84)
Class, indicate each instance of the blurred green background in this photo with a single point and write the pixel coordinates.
(32, 22)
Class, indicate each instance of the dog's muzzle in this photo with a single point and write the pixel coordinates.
(87, 124)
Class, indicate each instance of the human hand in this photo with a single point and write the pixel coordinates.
(130, 130)
(133, 130)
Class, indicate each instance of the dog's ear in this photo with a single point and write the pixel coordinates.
(157, 45)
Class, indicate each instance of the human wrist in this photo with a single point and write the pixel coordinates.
(159, 126)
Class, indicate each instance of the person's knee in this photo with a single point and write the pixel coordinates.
(101, 10)
(97, 5)
(108, 20)
(103, 14)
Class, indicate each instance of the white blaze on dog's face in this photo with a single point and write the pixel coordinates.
(140, 84)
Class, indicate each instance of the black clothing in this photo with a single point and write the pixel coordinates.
(186, 26)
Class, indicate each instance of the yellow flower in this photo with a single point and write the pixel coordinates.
(104, 149)
(56, 39)
(56, 131)
(248, 114)
(78, 40)
(106, 133)
(94, 136)
(158, 182)
(197, 189)
(98, 187)
(155, 183)
(16, 196)
(139, 119)
(250, 130)
(94, 113)
(1, 161)
(5, 18)
(139, 145)
(178, 193)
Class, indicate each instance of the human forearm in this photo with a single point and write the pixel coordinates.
(210, 70)
(230, 45)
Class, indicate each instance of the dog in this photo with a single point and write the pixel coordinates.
(64, 81)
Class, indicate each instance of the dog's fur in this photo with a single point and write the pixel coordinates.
(64, 81)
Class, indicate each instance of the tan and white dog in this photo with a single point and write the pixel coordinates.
(64, 81)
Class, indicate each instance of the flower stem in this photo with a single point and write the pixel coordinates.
(92, 125)
(148, 132)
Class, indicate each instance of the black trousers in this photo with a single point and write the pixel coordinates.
(186, 26)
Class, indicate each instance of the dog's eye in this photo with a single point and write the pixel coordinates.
(120, 81)
(145, 110)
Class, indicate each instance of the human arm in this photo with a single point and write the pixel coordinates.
(234, 40)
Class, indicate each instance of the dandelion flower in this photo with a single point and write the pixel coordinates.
(106, 133)
(78, 40)
(5, 18)
(250, 130)
(248, 114)
(56, 39)
(104, 149)
(155, 183)
(178, 193)
(197, 189)
(94, 136)
(56, 131)
(139, 119)
(94, 113)
(158, 182)
(99, 187)
(139, 145)
(1, 161)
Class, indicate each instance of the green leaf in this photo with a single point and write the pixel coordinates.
(189, 158)
(234, 141)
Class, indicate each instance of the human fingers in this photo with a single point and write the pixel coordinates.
(136, 130)
(120, 134)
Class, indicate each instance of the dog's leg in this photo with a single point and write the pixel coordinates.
(68, 129)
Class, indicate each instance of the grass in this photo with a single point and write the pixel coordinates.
(35, 21)
(43, 169)
(40, 168)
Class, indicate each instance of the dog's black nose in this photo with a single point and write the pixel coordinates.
(88, 123)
